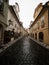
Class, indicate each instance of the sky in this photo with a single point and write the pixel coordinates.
(27, 8)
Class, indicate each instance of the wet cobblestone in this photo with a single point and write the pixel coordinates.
(25, 52)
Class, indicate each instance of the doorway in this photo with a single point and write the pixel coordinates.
(41, 36)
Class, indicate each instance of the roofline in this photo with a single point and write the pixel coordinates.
(11, 7)
(44, 6)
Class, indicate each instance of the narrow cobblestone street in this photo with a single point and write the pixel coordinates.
(25, 52)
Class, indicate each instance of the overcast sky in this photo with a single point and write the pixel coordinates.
(27, 8)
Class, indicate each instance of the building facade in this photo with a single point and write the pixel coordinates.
(40, 27)
(23, 32)
(13, 20)
(3, 18)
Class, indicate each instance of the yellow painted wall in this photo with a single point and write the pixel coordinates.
(37, 11)
(44, 30)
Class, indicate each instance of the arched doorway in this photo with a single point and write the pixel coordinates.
(35, 35)
(41, 36)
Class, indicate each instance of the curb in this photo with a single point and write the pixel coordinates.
(6, 46)
(40, 43)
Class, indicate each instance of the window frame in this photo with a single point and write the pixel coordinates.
(42, 22)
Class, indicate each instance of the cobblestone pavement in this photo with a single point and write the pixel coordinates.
(25, 52)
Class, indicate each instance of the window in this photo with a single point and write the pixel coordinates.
(38, 25)
(1, 5)
(10, 22)
(1, 1)
(42, 22)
